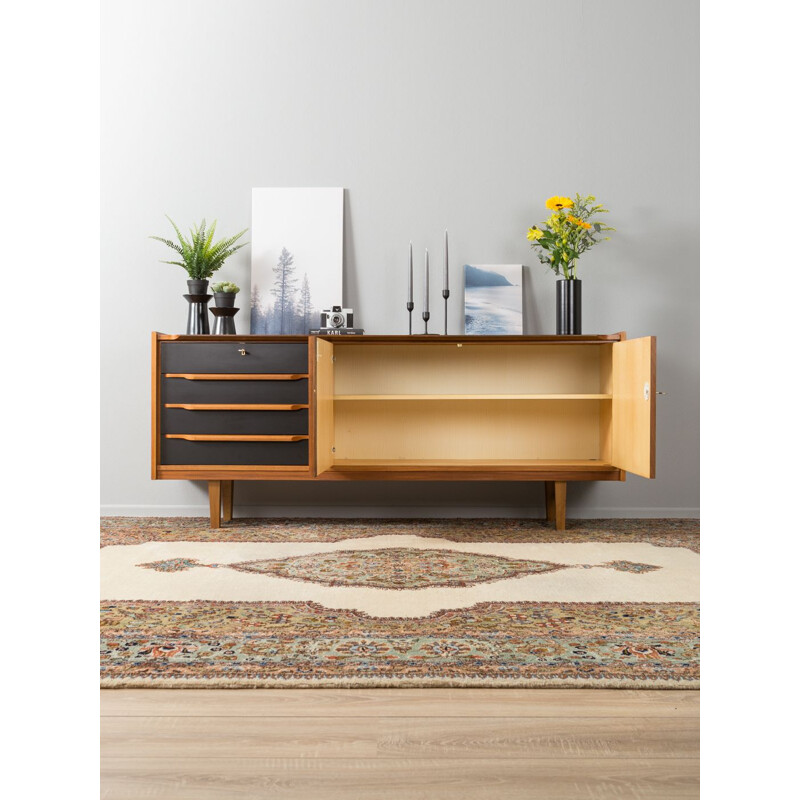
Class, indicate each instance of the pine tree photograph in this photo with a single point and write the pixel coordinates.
(296, 266)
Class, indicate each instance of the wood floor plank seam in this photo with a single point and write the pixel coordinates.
(394, 761)
(443, 757)
(372, 719)
(411, 703)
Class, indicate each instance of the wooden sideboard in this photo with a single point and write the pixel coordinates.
(551, 409)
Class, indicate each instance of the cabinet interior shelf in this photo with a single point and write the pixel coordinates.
(545, 464)
(216, 437)
(381, 397)
(224, 376)
(237, 406)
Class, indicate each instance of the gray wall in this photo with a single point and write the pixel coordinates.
(463, 114)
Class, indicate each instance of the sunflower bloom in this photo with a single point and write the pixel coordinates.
(556, 203)
(567, 233)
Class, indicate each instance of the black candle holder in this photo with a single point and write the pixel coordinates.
(446, 295)
(410, 307)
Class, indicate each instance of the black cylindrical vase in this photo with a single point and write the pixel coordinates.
(568, 307)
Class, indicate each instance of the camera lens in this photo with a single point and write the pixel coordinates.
(337, 320)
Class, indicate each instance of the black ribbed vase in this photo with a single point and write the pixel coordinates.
(568, 307)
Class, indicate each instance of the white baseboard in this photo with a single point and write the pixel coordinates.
(402, 512)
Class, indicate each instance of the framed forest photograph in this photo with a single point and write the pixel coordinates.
(296, 258)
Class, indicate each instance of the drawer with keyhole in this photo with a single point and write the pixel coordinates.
(234, 357)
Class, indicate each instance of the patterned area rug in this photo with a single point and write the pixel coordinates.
(368, 603)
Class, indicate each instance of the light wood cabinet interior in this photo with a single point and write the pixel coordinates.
(453, 403)
(469, 369)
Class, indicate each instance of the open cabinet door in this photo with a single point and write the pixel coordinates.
(323, 393)
(633, 406)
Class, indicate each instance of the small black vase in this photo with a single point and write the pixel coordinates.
(568, 307)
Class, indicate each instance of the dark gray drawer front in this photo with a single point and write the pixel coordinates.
(224, 357)
(179, 420)
(180, 390)
(183, 451)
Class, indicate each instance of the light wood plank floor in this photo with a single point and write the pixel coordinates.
(409, 744)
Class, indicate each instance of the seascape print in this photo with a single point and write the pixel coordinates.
(493, 299)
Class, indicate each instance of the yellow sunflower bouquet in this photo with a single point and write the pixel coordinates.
(568, 232)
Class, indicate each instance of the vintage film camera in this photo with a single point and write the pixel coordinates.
(336, 317)
(337, 320)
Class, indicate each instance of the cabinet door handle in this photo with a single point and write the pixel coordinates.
(242, 351)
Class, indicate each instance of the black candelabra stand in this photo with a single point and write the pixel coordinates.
(446, 295)
(426, 315)
(410, 307)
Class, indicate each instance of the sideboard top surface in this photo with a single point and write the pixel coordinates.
(417, 339)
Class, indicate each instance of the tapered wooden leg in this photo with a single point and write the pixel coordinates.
(227, 501)
(213, 502)
(550, 500)
(560, 491)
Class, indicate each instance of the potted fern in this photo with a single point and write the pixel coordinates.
(201, 257)
(199, 254)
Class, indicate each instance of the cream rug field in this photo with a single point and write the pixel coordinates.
(607, 603)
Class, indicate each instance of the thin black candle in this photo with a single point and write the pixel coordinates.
(427, 298)
(426, 313)
(410, 302)
(446, 281)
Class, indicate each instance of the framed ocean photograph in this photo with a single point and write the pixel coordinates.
(296, 258)
(492, 299)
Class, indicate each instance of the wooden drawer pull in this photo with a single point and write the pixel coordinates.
(237, 406)
(220, 437)
(221, 376)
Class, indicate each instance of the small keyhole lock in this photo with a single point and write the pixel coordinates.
(647, 391)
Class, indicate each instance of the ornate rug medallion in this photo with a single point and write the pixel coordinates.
(279, 606)
(394, 567)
